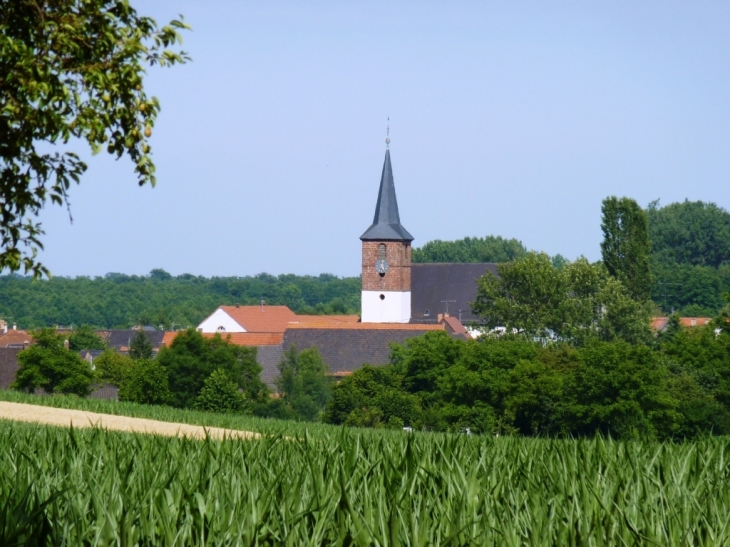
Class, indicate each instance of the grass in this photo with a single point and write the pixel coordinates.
(336, 486)
(164, 413)
(89, 487)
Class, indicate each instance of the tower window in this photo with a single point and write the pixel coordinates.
(382, 297)
(221, 329)
(381, 251)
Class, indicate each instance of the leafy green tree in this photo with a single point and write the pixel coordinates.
(303, 382)
(147, 383)
(621, 390)
(84, 337)
(220, 394)
(71, 69)
(191, 359)
(470, 249)
(50, 366)
(113, 367)
(374, 397)
(626, 247)
(690, 232)
(140, 347)
(577, 302)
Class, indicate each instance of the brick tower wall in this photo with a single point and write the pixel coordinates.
(398, 277)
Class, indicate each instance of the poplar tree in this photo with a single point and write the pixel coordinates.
(626, 247)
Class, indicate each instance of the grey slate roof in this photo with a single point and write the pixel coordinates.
(431, 284)
(386, 223)
(118, 339)
(269, 357)
(346, 350)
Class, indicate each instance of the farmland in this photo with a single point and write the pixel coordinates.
(331, 486)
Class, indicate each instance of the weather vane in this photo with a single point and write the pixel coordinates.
(387, 134)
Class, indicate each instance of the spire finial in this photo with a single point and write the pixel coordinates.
(387, 135)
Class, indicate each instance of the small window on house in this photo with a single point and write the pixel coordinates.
(221, 329)
(381, 251)
(426, 313)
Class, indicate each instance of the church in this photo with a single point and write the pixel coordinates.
(400, 300)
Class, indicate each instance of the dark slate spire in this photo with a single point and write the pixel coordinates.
(386, 224)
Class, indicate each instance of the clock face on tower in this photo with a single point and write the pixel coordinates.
(381, 266)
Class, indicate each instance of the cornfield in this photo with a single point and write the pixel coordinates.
(343, 487)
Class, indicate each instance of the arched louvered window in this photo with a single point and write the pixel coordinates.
(381, 251)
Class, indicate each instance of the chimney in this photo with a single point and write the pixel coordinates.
(65, 343)
(15, 326)
(440, 317)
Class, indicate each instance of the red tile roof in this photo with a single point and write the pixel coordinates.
(261, 318)
(15, 338)
(660, 323)
(237, 338)
(339, 319)
(364, 326)
(456, 326)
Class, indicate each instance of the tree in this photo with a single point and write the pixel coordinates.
(578, 302)
(70, 69)
(113, 367)
(625, 247)
(140, 346)
(84, 337)
(147, 383)
(191, 359)
(691, 232)
(470, 249)
(49, 365)
(220, 394)
(303, 382)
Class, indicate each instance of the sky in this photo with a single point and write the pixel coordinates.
(510, 118)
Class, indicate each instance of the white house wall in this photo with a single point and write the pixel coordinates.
(219, 319)
(395, 307)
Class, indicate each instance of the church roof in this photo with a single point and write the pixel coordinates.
(386, 223)
(445, 287)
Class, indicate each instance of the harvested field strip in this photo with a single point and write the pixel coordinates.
(78, 418)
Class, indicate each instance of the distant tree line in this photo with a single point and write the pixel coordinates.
(688, 266)
(162, 300)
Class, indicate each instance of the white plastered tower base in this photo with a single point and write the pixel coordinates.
(393, 307)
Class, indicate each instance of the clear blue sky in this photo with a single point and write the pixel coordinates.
(507, 118)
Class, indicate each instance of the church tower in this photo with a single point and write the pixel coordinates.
(386, 259)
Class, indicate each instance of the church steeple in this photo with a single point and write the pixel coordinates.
(386, 223)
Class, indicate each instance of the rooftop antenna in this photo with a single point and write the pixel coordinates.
(387, 135)
(447, 304)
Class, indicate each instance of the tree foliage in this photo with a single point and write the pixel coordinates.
(50, 366)
(625, 246)
(85, 337)
(140, 347)
(191, 359)
(576, 303)
(70, 70)
(122, 301)
(679, 388)
(303, 383)
(470, 249)
(112, 367)
(690, 232)
(145, 382)
(220, 394)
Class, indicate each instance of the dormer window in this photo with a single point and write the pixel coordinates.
(426, 313)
